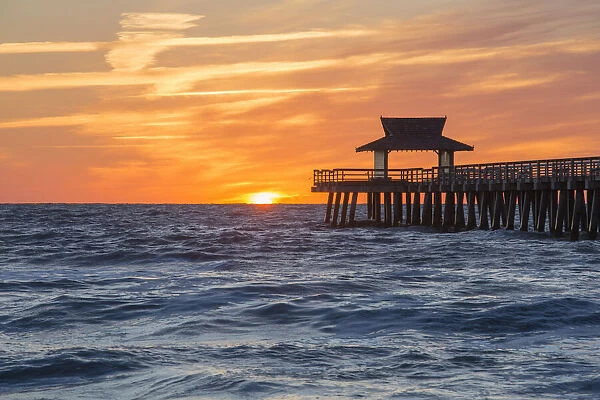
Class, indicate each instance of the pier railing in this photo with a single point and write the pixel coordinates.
(517, 171)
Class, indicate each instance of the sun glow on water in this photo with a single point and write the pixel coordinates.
(263, 198)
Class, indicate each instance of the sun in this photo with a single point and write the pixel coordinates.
(263, 198)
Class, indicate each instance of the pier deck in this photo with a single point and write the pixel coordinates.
(560, 195)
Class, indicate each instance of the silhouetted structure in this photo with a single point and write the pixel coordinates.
(557, 195)
(413, 134)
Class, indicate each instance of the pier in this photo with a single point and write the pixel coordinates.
(560, 196)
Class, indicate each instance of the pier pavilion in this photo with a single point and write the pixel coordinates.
(560, 195)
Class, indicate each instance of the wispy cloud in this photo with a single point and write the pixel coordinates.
(147, 137)
(503, 82)
(112, 121)
(173, 80)
(159, 21)
(49, 47)
(138, 50)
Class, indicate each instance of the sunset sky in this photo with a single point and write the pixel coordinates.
(191, 101)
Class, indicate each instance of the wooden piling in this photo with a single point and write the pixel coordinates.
(329, 205)
(483, 211)
(578, 210)
(504, 207)
(408, 209)
(524, 226)
(336, 209)
(535, 202)
(459, 223)
(471, 217)
(427, 209)
(544, 197)
(594, 214)
(497, 201)
(561, 212)
(344, 209)
(553, 210)
(377, 206)
(589, 198)
(387, 205)
(449, 216)
(416, 210)
(570, 209)
(437, 209)
(584, 215)
(397, 208)
(352, 216)
(512, 207)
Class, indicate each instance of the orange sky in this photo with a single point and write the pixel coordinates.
(187, 101)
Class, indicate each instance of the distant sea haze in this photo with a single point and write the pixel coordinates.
(268, 302)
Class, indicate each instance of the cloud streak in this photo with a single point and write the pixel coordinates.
(159, 21)
(50, 47)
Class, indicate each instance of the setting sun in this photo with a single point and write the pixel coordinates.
(263, 198)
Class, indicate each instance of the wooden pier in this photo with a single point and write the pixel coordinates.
(556, 196)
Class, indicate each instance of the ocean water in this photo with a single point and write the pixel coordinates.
(267, 302)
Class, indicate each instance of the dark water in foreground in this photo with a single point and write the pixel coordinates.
(178, 302)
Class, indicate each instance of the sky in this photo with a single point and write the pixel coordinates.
(191, 101)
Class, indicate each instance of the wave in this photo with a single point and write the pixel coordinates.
(65, 365)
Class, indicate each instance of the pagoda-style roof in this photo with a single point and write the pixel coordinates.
(414, 134)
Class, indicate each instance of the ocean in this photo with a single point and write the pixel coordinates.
(268, 302)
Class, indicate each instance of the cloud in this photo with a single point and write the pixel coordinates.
(147, 137)
(173, 80)
(147, 35)
(106, 121)
(138, 50)
(502, 82)
(144, 36)
(159, 21)
(49, 47)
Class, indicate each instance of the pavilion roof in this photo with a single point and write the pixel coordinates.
(414, 134)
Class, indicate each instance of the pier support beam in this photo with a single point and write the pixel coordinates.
(449, 216)
(352, 216)
(416, 210)
(408, 209)
(578, 211)
(427, 208)
(544, 201)
(344, 209)
(497, 207)
(387, 208)
(329, 205)
(584, 215)
(397, 208)
(594, 214)
(561, 212)
(336, 209)
(553, 210)
(483, 211)
(525, 209)
(570, 209)
(471, 217)
(377, 206)
(512, 207)
(460, 211)
(535, 200)
(503, 209)
(437, 209)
